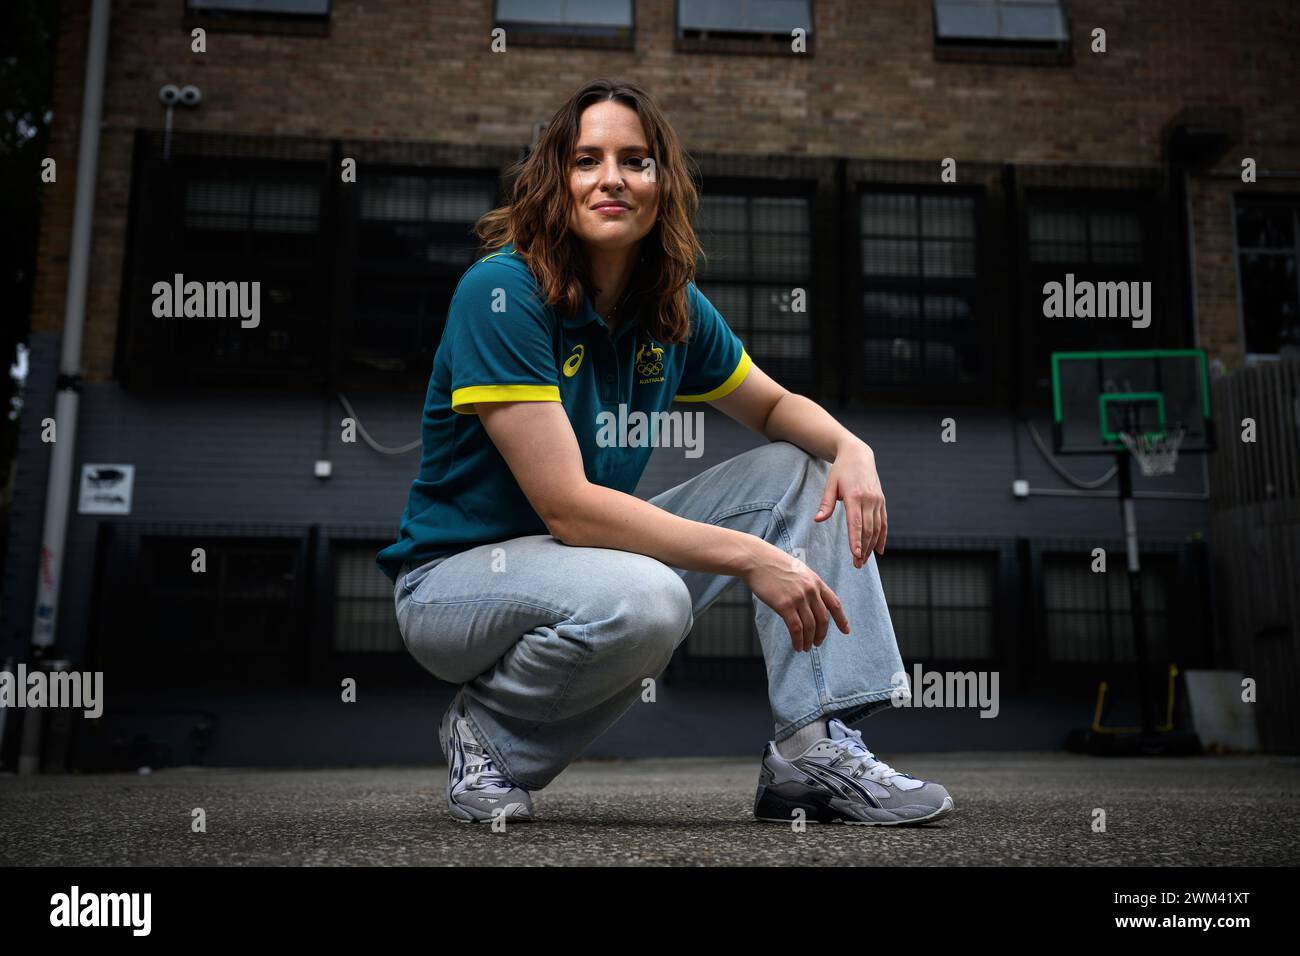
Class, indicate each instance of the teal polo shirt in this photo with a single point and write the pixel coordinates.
(502, 343)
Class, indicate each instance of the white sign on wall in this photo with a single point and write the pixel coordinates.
(106, 489)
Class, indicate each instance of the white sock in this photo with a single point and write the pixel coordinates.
(803, 738)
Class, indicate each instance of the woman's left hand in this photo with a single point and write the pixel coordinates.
(854, 481)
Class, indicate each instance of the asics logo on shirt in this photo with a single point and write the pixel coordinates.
(573, 361)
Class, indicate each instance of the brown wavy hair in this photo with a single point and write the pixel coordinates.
(536, 217)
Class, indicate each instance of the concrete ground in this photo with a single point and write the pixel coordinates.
(1011, 809)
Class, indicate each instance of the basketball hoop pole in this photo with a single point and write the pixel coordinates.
(1150, 405)
(1123, 463)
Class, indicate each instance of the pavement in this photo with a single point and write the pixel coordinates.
(1012, 809)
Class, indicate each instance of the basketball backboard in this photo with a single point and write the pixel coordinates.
(1098, 395)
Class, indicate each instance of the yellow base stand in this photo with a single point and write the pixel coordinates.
(1168, 725)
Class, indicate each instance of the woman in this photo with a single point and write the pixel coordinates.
(528, 573)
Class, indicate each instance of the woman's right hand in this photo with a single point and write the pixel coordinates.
(803, 600)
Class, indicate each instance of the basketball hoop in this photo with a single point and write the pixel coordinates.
(1156, 452)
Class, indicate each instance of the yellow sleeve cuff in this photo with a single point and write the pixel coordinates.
(464, 399)
(730, 385)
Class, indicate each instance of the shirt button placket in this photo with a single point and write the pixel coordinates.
(609, 393)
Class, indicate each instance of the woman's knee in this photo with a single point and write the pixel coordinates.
(633, 620)
(651, 614)
(425, 640)
(672, 614)
(781, 457)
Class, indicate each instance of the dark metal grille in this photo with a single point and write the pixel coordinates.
(1096, 237)
(757, 254)
(1268, 250)
(416, 238)
(1087, 613)
(726, 629)
(240, 621)
(364, 615)
(355, 277)
(914, 291)
(253, 204)
(920, 292)
(941, 604)
(1078, 234)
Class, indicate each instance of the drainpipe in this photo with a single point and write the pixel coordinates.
(59, 487)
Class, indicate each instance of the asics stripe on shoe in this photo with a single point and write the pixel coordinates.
(839, 779)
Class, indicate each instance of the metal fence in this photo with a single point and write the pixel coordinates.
(1255, 520)
(1260, 403)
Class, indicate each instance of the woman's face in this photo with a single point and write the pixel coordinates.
(614, 191)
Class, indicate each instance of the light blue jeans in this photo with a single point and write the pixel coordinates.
(552, 643)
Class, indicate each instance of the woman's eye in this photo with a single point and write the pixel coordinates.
(588, 160)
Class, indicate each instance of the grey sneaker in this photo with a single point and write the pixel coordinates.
(839, 779)
(475, 788)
